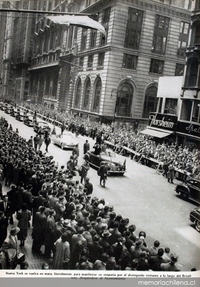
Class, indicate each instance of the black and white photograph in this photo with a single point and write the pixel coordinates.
(100, 137)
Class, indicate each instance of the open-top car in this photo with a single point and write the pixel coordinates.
(190, 189)
(41, 127)
(194, 217)
(115, 163)
(65, 141)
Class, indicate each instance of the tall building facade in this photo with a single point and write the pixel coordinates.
(179, 97)
(118, 73)
(112, 76)
(52, 63)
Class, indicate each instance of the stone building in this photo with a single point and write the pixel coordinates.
(179, 97)
(117, 75)
(106, 77)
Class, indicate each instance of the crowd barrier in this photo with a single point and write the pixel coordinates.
(126, 151)
(151, 162)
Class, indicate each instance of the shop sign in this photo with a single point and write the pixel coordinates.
(163, 121)
(189, 129)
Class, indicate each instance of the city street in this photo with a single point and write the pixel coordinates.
(145, 197)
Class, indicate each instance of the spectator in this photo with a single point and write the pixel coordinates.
(23, 217)
(86, 147)
(170, 266)
(61, 259)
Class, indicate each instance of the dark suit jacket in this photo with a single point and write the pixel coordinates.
(2, 208)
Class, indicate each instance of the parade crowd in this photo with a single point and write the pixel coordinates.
(185, 158)
(73, 229)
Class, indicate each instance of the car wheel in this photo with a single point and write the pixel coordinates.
(184, 195)
(197, 225)
(62, 145)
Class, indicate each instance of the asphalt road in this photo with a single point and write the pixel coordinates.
(143, 196)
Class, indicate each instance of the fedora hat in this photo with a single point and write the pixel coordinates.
(138, 242)
(106, 234)
(14, 230)
(66, 223)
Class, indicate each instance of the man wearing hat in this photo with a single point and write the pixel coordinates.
(10, 248)
(95, 249)
(104, 241)
(84, 170)
(102, 172)
(170, 266)
(88, 187)
(3, 227)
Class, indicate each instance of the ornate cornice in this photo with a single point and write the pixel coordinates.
(167, 10)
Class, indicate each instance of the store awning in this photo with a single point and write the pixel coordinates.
(158, 133)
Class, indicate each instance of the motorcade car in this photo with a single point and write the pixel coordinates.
(19, 115)
(194, 217)
(190, 189)
(64, 141)
(7, 109)
(13, 112)
(28, 120)
(2, 106)
(41, 127)
(116, 165)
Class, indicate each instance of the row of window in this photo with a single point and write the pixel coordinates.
(130, 62)
(46, 59)
(86, 93)
(134, 29)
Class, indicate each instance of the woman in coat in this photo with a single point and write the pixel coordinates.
(62, 253)
(23, 217)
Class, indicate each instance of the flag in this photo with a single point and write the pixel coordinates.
(81, 21)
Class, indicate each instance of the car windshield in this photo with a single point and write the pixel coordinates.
(193, 182)
(42, 124)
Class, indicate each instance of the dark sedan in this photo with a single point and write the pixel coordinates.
(29, 121)
(41, 127)
(195, 218)
(116, 165)
(190, 189)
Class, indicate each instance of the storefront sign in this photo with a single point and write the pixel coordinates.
(189, 129)
(162, 121)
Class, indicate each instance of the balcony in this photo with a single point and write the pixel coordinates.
(45, 61)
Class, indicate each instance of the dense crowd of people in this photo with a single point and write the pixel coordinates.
(185, 158)
(75, 229)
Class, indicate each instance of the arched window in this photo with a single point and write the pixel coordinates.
(78, 93)
(97, 95)
(191, 73)
(87, 93)
(150, 102)
(124, 100)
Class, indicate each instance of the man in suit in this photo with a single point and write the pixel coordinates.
(37, 202)
(157, 260)
(39, 228)
(95, 249)
(5, 207)
(86, 147)
(88, 187)
(102, 172)
(3, 227)
(10, 248)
